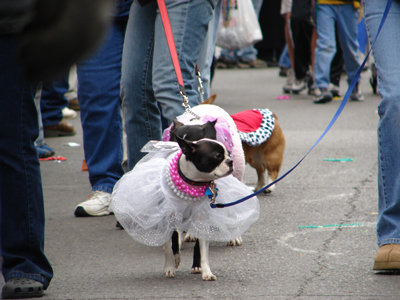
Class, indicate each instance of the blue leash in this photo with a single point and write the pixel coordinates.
(335, 117)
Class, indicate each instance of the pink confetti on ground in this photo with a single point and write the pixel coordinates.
(282, 97)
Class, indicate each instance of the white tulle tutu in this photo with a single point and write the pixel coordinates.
(150, 211)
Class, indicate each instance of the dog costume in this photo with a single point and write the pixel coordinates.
(254, 126)
(150, 205)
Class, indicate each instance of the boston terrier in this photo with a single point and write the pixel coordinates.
(201, 161)
(170, 191)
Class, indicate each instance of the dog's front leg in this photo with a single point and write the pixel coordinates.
(169, 266)
(172, 255)
(207, 275)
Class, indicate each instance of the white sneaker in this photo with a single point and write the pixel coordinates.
(299, 86)
(287, 88)
(68, 113)
(96, 206)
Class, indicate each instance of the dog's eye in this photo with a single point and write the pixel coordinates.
(218, 156)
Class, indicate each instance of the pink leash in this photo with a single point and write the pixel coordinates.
(171, 45)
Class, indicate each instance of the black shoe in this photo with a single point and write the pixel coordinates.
(334, 90)
(20, 287)
(322, 95)
(225, 64)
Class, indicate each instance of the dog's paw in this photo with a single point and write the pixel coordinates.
(236, 242)
(208, 276)
(270, 189)
(177, 260)
(169, 271)
(189, 238)
(196, 270)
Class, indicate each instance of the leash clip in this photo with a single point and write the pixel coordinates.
(185, 104)
(212, 191)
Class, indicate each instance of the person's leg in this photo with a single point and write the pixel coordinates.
(324, 52)
(189, 39)
(53, 100)
(99, 80)
(326, 45)
(227, 59)
(154, 75)
(141, 113)
(21, 195)
(207, 52)
(337, 63)
(43, 150)
(347, 20)
(387, 59)
(337, 67)
(52, 103)
(284, 59)
(302, 31)
(99, 98)
(289, 40)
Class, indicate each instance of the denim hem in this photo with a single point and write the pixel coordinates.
(103, 189)
(388, 241)
(36, 277)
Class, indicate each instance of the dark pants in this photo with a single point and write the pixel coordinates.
(53, 100)
(21, 195)
(302, 31)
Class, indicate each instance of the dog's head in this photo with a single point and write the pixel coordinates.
(193, 132)
(204, 160)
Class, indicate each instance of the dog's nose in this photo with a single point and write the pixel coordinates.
(229, 162)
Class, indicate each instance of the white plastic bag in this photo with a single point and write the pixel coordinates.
(238, 25)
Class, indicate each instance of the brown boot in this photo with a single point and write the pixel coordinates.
(387, 257)
(74, 104)
(61, 129)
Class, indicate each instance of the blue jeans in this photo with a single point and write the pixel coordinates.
(149, 83)
(387, 61)
(21, 195)
(53, 100)
(284, 60)
(246, 54)
(208, 51)
(99, 98)
(346, 17)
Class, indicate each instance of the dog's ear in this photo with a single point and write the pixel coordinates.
(188, 148)
(210, 100)
(209, 130)
(176, 123)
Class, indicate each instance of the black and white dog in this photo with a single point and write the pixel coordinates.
(170, 190)
(202, 161)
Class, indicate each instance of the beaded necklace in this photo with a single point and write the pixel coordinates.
(183, 189)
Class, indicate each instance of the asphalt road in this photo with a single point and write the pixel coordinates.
(315, 238)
